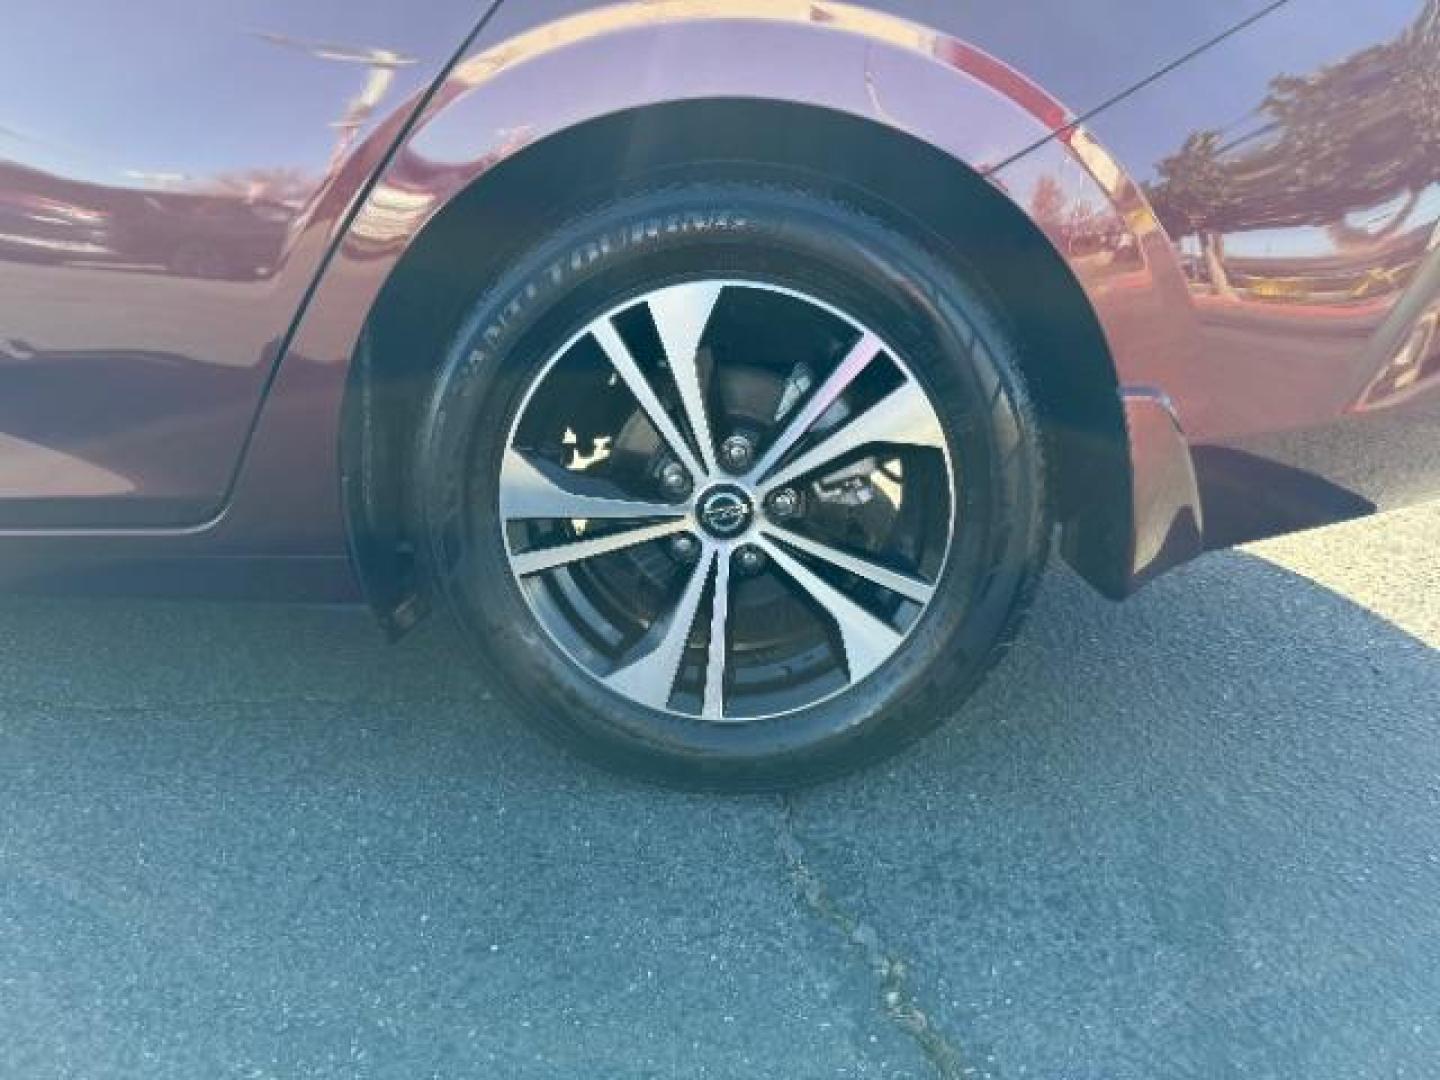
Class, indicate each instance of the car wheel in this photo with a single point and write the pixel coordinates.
(734, 486)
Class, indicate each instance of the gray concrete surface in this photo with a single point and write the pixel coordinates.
(1197, 835)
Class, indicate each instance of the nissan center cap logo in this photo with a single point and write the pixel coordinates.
(725, 511)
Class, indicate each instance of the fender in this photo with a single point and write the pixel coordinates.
(510, 93)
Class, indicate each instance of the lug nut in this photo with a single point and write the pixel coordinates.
(785, 503)
(750, 559)
(675, 480)
(736, 453)
(685, 548)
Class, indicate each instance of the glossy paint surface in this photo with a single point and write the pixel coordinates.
(1295, 168)
(1260, 252)
(170, 176)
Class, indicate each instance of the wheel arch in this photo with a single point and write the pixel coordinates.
(465, 245)
(462, 195)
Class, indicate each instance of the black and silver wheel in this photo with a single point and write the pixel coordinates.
(736, 485)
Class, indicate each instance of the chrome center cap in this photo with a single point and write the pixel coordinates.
(725, 511)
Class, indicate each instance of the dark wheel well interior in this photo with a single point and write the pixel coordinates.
(462, 250)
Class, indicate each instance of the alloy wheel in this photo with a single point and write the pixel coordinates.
(727, 500)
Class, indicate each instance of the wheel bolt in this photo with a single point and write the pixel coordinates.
(675, 480)
(736, 453)
(750, 559)
(785, 503)
(685, 548)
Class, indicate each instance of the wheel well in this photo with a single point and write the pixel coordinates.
(943, 203)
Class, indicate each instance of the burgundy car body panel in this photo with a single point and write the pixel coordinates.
(1297, 403)
(171, 177)
(1307, 212)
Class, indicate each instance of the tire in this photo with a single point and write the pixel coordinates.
(816, 259)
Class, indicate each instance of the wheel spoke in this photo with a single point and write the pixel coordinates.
(533, 562)
(868, 641)
(719, 646)
(681, 314)
(856, 361)
(629, 371)
(649, 675)
(531, 487)
(907, 585)
(903, 416)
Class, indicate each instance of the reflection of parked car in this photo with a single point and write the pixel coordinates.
(725, 366)
(207, 236)
(191, 234)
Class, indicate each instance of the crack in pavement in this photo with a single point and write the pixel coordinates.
(897, 997)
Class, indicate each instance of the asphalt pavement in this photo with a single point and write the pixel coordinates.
(1195, 835)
